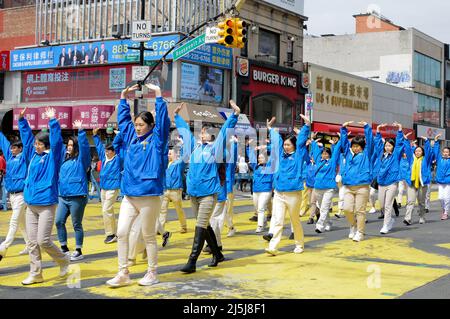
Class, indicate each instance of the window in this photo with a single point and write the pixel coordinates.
(290, 54)
(447, 111)
(428, 110)
(427, 70)
(269, 45)
(266, 106)
(201, 83)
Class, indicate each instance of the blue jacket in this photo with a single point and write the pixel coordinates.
(326, 169)
(111, 171)
(311, 166)
(426, 163)
(175, 171)
(442, 166)
(16, 166)
(203, 176)
(289, 167)
(144, 165)
(358, 168)
(231, 166)
(376, 155)
(73, 172)
(390, 164)
(41, 184)
(262, 174)
(404, 166)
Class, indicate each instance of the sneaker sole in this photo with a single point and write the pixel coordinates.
(33, 283)
(118, 285)
(149, 284)
(76, 258)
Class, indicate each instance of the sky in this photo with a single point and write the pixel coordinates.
(336, 16)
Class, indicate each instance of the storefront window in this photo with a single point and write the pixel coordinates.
(264, 107)
(428, 110)
(447, 111)
(269, 45)
(202, 84)
(427, 70)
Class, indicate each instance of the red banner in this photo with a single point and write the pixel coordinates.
(96, 83)
(31, 114)
(63, 113)
(93, 116)
(4, 60)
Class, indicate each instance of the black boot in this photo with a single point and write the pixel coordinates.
(212, 243)
(197, 246)
(397, 212)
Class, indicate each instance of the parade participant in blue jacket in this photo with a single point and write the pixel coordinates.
(418, 177)
(230, 173)
(389, 155)
(142, 182)
(16, 171)
(325, 184)
(41, 195)
(443, 176)
(73, 189)
(356, 178)
(376, 162)
(311, 166)
(203, 182)
(173, 190)
(288, 156)
(110, 178)
(263, 171)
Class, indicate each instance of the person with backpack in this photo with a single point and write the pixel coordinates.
(203, 182)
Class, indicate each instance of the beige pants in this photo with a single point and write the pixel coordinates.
(109, 219)
(136, 243)
(16, 222)
(286, 202)
(402, 189)
(217, 220)
(355, 202)
(305, 200)
(313, 204)
(414, 194)
(203, 208)
(131, 207)
(174, 196)
(40, 221)
(386, 196)
(229, 218)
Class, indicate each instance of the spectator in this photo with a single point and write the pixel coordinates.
(243, 173)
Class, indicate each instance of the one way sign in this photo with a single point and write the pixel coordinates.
(141, 31)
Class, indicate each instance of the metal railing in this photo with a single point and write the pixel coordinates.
(66, 21)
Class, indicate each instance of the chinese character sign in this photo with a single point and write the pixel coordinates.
(93, 116)
(31, 115)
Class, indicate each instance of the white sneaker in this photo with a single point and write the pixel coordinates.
(373, 210)
(298, 250)
(122, 279)
(272, 252)
(352, 232)
(422, 220)
(259, 229)
(328, 227)
(33, 280)
(149, 279)
(64, 268)
(391, 224)
(384, 230)
(232, 232)
(319, 228)
(358, 236)
(24, 252)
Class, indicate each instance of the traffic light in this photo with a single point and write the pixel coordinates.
(226, 32)
(240, 33)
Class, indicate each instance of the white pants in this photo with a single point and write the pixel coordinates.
(261, 203)
(174, 196)
(108, 198)
(341, 197)
(286, 202)
(229, 217)
(373, 196)
(402, 188)
(325, 200)
(131, 207)
(136, 243)
(16, 222)
(444, 197)
(217, 220)
(386, 196)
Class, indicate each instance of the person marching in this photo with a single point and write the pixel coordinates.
(442, 176)
(142, 182)
(41, 195)
(325, 183)
(288, 156)
(16, 171)
(73, 189)
(390, 155)
(418, 177)
(356, 178)
(230, 180)
(110, 178)
(203, 183)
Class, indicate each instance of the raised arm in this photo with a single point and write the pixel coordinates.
(27, 137)
(5, 146)
(345, 145)
(162, 120)
(316, 151)
(99, 146)
(83, 145)
(336, 152)
(428, 152)
(56, 141)
(369, 139)
(399, 141)
(229, 124)
(126, 126)
(304, 132)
